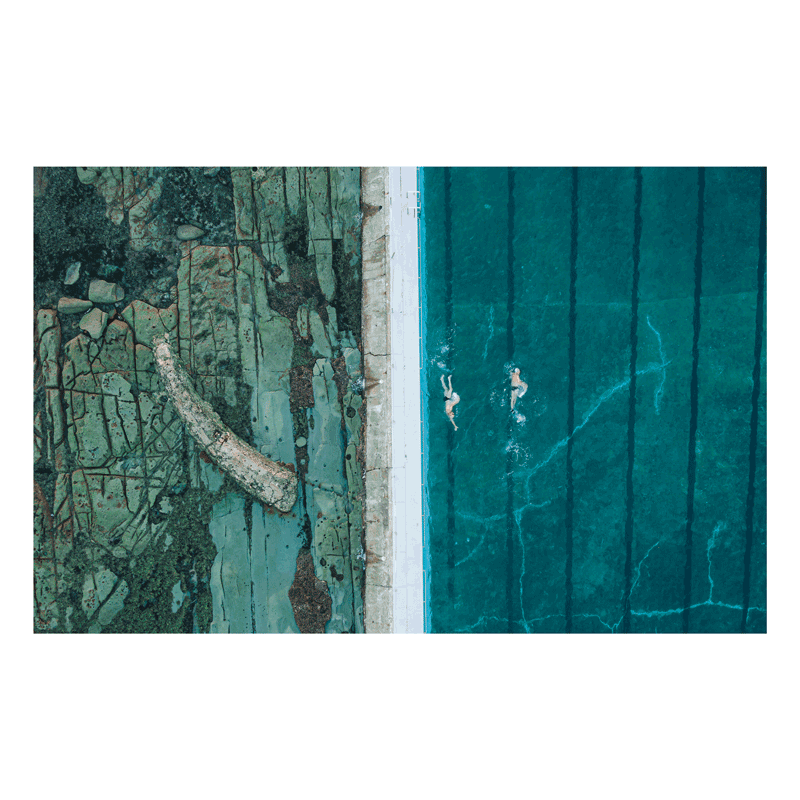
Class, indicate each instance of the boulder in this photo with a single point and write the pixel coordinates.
(94, 323)
(188, 232)
(105, 292)
(73, 273)
(73, 305)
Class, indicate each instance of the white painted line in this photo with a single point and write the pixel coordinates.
(406, 464)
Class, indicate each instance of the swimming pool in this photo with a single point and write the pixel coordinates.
(626, 491)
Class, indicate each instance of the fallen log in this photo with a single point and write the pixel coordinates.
(270, 482)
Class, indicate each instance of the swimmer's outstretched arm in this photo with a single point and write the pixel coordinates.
(448, 408)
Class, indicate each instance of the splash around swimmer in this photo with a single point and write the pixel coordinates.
(452, 399)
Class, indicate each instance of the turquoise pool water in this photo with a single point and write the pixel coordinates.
(626, 491)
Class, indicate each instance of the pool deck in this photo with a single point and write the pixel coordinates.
(394, 601)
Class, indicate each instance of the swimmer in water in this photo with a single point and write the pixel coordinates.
(451, 398)
(518, 387)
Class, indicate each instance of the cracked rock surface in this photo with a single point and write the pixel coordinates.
(136, 527)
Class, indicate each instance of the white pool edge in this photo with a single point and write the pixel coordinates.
(408, 606)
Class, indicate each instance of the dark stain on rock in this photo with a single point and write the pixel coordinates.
(286, 298)
(301, 389)
(347, 297)
(369, 210)
(295, 235)
(301, 454)
(305, 532)
(309, 596)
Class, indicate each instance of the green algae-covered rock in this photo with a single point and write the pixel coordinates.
(73, 305)
(104, 292)
(94, 323)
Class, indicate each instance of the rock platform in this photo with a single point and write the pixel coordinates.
(136, 529)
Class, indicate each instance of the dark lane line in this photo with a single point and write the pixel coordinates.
(509, 461)
(637, 239)
(573, 278)
(448, 322)
(762, 267)
(692, 469)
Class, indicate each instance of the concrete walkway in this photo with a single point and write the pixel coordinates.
(394, 601)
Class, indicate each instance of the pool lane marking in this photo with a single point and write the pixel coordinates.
(762, 267)
(448, 321)
(692, 467)
(637, 239)
(509, 455)
(573, 278)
